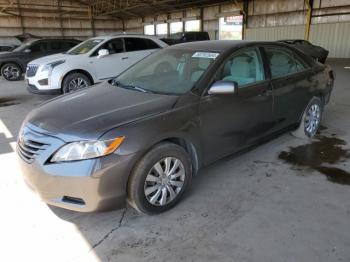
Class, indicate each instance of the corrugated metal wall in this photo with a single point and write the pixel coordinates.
(275, 33)
(285, 19)
(335, 37)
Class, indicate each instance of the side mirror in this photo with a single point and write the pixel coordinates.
(27, 51)
(102, 53)
(223, 88)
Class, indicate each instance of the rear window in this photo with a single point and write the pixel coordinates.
(281, 61)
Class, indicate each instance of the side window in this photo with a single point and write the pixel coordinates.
(38, 47)
(151, 44)
(137, 44)
(113, 46)
(281, 61)
(56, 45)
(300, 64)
(71, 44)
(244, 67)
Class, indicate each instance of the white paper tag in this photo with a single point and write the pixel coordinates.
(205, 55)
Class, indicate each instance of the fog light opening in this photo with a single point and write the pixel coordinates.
(73, 200)
(44, 82)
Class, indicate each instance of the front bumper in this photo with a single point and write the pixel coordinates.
(34, 90)
(86, 186)
(43, 83)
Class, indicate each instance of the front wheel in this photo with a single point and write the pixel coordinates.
(159, 179)
(311, 119)
(74, 82)
(11, 72)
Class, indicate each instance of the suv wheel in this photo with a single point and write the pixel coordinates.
(310, 122)
(75, 81)
(11, 72)
(159, 179)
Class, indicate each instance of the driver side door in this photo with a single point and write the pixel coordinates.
(230, 122)
(111, 65)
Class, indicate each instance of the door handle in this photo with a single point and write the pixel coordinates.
(123, 58)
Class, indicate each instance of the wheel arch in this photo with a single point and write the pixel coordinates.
(12, 62)
(81, 71)
(189, 148)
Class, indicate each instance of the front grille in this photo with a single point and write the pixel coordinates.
(29, 149)
(31, 70)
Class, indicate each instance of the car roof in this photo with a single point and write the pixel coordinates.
(106, 37)
(222, 45)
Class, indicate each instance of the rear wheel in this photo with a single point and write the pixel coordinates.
(311, 119)
(159, 179)
(11, 72)
(74, 82)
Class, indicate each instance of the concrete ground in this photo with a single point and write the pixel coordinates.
(252, 207)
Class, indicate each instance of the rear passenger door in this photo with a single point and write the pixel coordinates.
(137, 48)
(288, 86)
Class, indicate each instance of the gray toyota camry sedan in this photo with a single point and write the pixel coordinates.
(143, 135)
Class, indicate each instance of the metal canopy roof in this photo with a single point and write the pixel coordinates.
(123, 9)
(140, 8)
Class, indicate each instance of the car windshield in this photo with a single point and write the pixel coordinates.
(84, 47)
(169, 71)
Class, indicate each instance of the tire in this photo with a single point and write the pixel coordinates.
(311, 119)
(147, 196)
(11, 72)
(75, 81)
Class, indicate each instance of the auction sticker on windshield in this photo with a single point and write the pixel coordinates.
(205, 55)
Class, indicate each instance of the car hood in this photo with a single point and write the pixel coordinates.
(89, 113)
(50, 58)
(6, 54)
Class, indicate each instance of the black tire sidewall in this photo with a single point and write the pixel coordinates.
(138, 177)
(70, 77)
(14, 65)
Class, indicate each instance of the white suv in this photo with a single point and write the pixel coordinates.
(94, 60)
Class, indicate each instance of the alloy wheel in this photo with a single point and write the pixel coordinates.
(312, 119)
(77, 83)
(164, 181)
(11, 72)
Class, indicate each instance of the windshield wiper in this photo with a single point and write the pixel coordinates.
(117, 83)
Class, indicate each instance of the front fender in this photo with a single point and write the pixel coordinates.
(140, 136)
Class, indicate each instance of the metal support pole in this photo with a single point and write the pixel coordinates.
(183, 20)
(92, 21)
(245, 18)
(201, 20)
(20, 16)
(309, 4)
(60, 17)
(168, 25)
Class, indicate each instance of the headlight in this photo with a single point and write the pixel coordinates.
(50, 66)
(86, 149)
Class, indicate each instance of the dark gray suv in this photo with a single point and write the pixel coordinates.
(13, 63)
(143, 135)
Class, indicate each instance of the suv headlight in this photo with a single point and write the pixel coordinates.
(50, 66)
(87, 149)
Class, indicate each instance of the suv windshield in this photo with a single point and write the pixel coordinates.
(169, 71)
(84, 47)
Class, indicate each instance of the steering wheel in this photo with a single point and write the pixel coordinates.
(163, 67)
